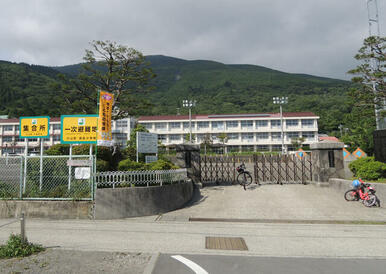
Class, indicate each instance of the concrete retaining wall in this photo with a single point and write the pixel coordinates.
(343, 185)
(140, 201)
(46, 209)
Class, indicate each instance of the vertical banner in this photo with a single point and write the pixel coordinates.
(105, 137)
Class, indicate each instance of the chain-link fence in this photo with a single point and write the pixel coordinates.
(11, 169)
(49, 177)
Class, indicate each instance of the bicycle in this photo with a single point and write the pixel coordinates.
(244, 177)
(363, 191)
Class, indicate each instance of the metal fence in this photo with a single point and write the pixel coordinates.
(140, 178)
(49, 177)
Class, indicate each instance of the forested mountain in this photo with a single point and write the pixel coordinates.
(218, 88)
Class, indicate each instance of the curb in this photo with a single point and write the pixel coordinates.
(151, 264)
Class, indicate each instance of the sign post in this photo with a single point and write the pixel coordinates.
(34, 127)
(147, 143)
(78, 129)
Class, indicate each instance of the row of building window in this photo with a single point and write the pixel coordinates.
(244, 136)
(220, 125)
(10, 139)
(7, 128)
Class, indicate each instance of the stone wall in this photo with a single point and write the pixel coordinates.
(141, 201)
(47, 209)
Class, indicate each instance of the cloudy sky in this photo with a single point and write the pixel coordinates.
(318, 37)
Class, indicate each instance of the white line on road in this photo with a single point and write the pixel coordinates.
(192, 265)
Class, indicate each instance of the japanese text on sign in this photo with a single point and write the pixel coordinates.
(34, 127)
(79, 129)
(106, 101)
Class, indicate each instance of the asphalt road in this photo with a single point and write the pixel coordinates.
(213, 264)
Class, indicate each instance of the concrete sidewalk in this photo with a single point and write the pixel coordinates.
(277, 202)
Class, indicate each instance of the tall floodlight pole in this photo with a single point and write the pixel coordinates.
(372, 12)
(189, 104)
(280, 101)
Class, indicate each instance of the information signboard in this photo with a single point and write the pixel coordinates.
(150, 159)
(147, 142)
(34, 127)
(79, 129)
(106, 101)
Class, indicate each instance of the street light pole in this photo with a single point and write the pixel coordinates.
(189, 104)
(281, 101)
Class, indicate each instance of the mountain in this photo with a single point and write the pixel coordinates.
(217, 88)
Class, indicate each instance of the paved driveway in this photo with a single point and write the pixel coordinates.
(277, 202)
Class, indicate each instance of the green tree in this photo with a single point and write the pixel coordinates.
(223, 138)
(115, 68)
(371, 75)
(297, 142)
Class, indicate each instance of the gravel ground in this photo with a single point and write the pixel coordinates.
(67, 261)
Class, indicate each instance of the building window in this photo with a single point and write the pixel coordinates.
(174, 125)
(262, 135)
(247, 137)
(123, 124)
(276, 135)
(246, 124)
(56, 138)
(275, 124)
(247, 148)
(291, 135)
(233, 148)
(262, 148)
(232, 124)
(147, 126)
(162, 138)
(292, 123)
(160, 126)
(17, 128)
(308, 135)
(19, 140)
(276, 148)
(201, 125)
(216, 125)
(186, 125)
(233, 136)
(8, 128)
(7, 139)
(175, 137)
(56, 126)
(307, 123)
(261, 123)
(32, 140)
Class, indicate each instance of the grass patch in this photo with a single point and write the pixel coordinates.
(16, 248)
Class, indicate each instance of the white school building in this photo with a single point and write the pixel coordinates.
(244, 132)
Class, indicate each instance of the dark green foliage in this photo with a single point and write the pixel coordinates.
(368, 169)
(161, 164)
(16, 248)
(102, 165)
(58, 149)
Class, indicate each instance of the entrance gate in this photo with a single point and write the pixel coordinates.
(264, 168)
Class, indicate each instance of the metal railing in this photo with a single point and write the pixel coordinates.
(146, 178)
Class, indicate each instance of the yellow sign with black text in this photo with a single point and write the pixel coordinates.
(79, 129)
(106, 100)
(34, 127)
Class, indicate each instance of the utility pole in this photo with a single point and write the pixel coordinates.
(189, 104)
(280, 101)
(373, 19)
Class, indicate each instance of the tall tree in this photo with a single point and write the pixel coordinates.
(371, 75)
(115, 68)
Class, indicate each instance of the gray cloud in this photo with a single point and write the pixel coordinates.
(299, 36)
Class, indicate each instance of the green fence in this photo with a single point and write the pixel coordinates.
(48, 178)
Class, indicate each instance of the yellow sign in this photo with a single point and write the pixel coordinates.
(105, 137)
(34, 127)
(79, 129)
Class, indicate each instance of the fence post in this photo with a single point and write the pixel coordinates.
(22, 228)
(21, 177)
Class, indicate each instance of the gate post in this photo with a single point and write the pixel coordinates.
(188, 156)
(327, 161)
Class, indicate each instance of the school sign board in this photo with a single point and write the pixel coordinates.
(79, 129)
(147, 142)
(34, 127)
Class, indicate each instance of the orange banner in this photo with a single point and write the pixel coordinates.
(106, 101)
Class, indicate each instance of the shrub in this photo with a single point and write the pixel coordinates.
(16, 248)
(102, 165)
(357, 164)
(130, 165)
(161, 165)
(368, 168)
